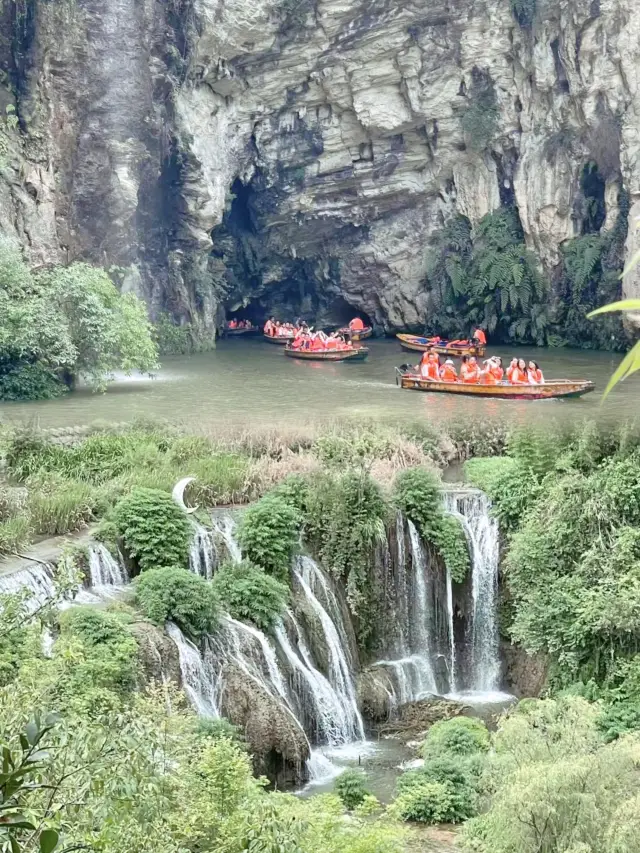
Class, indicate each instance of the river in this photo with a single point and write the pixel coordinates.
(249, 381)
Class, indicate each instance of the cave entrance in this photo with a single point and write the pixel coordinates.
(592, 185)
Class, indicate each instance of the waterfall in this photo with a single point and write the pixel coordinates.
(332, 718)
(198, 678)
(104, 570)
(224, 527)
(472, 508)
(309, 577)
(203, 554)
(37, 578)
(452, 636)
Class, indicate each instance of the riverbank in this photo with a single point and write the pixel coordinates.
(244, 383)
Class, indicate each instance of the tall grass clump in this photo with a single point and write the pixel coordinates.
(56, 506)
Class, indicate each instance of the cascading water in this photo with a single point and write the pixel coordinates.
(203, 554)
(340, 676)
(224, 528)
(37, 578)
(198, 677)
(472, 508)
(104, 570)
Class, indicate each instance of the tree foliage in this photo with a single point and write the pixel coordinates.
(155, 531)
(249, 593)
(63, 322)
(268, 533)
(173, 594)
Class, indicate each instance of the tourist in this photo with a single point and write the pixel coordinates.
(519, 375)
(494, 365)
(270, 327)
(469, 371)
(429, 366)
(448, 372)
(480, 338)
(535, 374)
(512, 366)
(356, 325)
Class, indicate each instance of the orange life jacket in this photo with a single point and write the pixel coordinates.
(448, 373)
(480, 336)
(519, 377)
(537, 376)
(497, 372)
(470, 374)
(487, 378)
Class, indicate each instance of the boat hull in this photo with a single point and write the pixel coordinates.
(414, 343)
(234, 333)
(279, 340)
(331, 355)
(554, 389)
(356, 336)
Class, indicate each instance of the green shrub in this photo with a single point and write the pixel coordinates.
(294, 491)
(513, 490)
(427, 802)
(480, 118)
(618, 719)
(170, 338)
(268, 533)
(351, 787)
(30, 382)
(177, 595)
(216, 728)
(417, 495)
(156, 532)
(249, 593)
(458, 736)
(103, 653)
(453, 772)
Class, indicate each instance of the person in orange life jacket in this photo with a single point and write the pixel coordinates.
(356, 325)
(519, 375)
(429, 366)
(535, 374)
(469, 371)
(448, 372)
(270, 327)
(480, 337)
(486, 376)
(495, 366)
(512, 366)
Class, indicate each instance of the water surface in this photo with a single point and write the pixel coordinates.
(248, 381)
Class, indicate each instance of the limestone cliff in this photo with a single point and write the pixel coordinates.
(218, 151)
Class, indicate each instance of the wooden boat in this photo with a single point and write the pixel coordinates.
(554, 388)
(252, 330)
(280, 340)
(414, 343)
(355, 354)
(359, 335)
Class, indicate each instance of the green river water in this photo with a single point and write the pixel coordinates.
(251, 382)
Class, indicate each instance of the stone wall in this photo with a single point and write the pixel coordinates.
(340, 122)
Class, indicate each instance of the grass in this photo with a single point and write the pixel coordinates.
(65, 481)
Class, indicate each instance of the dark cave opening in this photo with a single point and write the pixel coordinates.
(594, 211)
(264, 275)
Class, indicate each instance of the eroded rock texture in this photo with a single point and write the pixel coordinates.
(300, 152)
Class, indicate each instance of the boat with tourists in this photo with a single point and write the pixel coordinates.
(356, 334)
(408, 378)
(280, 339)
(347, 354)
(241, 328)
(415, 343)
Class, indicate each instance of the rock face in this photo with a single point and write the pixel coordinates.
(301, 152)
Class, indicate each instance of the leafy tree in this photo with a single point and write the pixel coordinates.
(63, 322)
(248, 593)
(176, 595)
(156, 532)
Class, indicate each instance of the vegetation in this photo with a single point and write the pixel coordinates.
(486, 279)
(268, 533)
(170, 338)
(249, 593)
(177, 595)
(460, 736)
(418, 497)
(351, 787)
(556, 786)
(155, 531)
(65, 322)
(480, 118)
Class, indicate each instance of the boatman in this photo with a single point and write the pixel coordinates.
(480, 338)
(356, 325)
